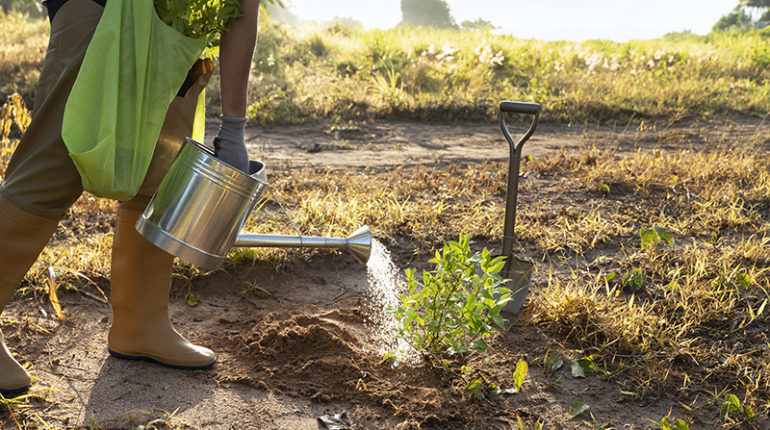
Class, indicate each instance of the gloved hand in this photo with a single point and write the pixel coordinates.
(230, 145)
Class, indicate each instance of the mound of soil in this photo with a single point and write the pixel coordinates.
(320, 357)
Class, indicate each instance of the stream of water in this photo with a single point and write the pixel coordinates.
(386, 280)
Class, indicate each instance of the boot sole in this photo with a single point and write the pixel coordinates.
(16, 392)
(156, 361)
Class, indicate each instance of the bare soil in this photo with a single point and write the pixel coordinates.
(309, 338)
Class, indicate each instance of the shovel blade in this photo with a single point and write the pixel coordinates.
(519, 273)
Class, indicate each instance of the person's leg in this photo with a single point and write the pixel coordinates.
(41, 181)
(141, 272)
(22, 237)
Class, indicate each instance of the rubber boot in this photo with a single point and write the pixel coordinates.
(141, 281)
(22, 237)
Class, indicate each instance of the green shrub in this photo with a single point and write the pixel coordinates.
(453, 308)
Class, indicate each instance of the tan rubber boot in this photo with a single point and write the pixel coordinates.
(22, 237)
(14, 380)
(141, 281)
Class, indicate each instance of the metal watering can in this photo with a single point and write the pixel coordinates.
(202, 203)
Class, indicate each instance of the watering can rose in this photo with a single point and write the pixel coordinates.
(198, 18)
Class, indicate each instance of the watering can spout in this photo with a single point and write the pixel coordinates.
(359, 244)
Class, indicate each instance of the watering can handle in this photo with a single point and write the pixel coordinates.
(518, 107)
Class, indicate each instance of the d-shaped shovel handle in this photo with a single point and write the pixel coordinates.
(513, 166)
(518, 107)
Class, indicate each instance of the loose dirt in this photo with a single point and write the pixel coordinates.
(301, 341)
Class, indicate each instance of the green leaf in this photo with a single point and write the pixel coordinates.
(577, 407)
(744, 280)
(610, 278)
(681, 425)
(519, 374)
(664, 425)
(748, 413)
(648, 237)
(476, 388)
(497, 319)
(479, 345)
(577, 370)
(731, 407)
(192, 299)
(554, 363)
(635, 280)
(663, 234)
(604, 188)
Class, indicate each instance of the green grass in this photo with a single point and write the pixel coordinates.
(449, 74)
(339, 72)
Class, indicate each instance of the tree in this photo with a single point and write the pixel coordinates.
(760, 6)
(427, 13)
(738, 19)
(747, 14)
(478, 24)
(32, 7)
(756, 3)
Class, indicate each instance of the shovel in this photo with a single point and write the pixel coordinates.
(518, 271)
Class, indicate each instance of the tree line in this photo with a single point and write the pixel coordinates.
(747, 15)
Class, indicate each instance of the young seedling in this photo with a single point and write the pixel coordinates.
(455, 307)
(733, 411)
(677, 424)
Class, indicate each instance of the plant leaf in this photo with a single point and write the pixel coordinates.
(52, 296)
(553, 363)
(577, 407)
(748, 413)
(497, 319)
(519, 374)
(648, 237)
(663, 234)
(577, 370)
(192, 299)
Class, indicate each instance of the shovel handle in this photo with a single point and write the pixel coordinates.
(518, 107)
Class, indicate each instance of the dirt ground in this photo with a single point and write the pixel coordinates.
(309, 339)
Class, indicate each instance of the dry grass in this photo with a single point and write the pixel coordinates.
(696, 324)
(23, 40)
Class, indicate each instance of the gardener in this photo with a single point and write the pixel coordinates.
(42, 182)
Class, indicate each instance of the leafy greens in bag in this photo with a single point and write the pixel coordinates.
(198, 18)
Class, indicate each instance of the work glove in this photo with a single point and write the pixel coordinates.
(230, 145)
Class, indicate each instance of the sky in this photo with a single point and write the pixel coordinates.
(618, 20)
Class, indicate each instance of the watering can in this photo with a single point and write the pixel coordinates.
(202, 203)
(518, 271)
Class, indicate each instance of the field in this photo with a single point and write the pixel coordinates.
(623, 327)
